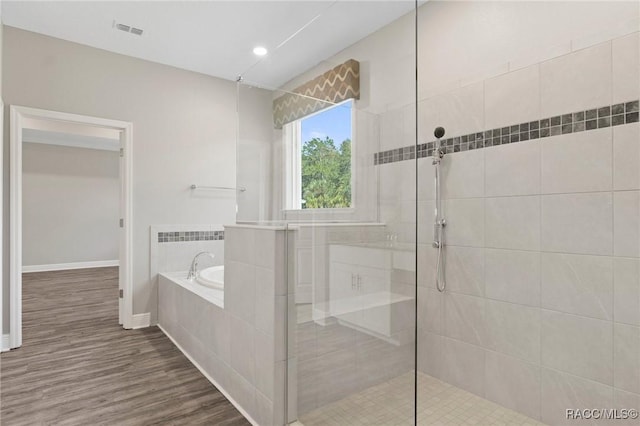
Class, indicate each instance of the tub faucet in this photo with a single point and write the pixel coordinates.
(193, 271)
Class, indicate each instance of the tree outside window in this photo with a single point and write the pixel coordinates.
(326, 159)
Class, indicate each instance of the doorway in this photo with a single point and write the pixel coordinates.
(22, 118)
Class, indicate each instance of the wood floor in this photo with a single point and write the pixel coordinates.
(77, 366)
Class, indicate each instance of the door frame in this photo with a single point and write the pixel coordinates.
(17, 116)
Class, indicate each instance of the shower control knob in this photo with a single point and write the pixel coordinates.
(438, 132)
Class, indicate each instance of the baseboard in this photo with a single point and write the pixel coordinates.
(322, 317)
(210, 379)
(5, 345)
(65, 266)
(140, 320)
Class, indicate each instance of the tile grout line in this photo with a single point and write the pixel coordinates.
(613, 232)
(539, 254)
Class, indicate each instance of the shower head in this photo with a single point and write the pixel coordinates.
(438, 153)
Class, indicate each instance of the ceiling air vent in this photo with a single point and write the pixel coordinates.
(128, 28)
(123, 27)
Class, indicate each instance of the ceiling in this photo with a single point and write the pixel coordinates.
(213, 37)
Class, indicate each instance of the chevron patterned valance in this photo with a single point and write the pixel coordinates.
(336, 85)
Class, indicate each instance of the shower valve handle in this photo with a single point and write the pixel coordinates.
(438, 132)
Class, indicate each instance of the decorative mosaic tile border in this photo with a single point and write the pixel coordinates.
(174, 237)
(596, 118)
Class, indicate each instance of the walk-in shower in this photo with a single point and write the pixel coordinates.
(497, 266)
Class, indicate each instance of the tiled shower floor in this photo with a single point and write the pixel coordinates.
(391, 403)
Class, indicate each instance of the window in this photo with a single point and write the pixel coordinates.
(319, 159)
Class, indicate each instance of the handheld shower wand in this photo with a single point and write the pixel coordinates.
(439, 221)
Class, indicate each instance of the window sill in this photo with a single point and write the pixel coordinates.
(326, 215)
(317, 211)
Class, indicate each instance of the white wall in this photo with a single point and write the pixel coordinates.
(3, 222)
(176, 256)
(70, 205)
(184, 130)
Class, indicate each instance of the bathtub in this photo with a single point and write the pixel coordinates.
(212, 277)
(213, 293)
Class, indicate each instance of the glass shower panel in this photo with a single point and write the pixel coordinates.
(351, 279)
(538, 321)
(255, 145)
(351, 309)
(333, 158)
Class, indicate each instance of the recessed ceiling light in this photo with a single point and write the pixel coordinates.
(259, 51)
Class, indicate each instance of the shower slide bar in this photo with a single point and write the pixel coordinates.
(439, 221)
(240, 188)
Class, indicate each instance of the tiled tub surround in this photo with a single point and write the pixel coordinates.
(211, 295)
(542, 308)
(241, 347)
(182, 236)
(172, 247)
